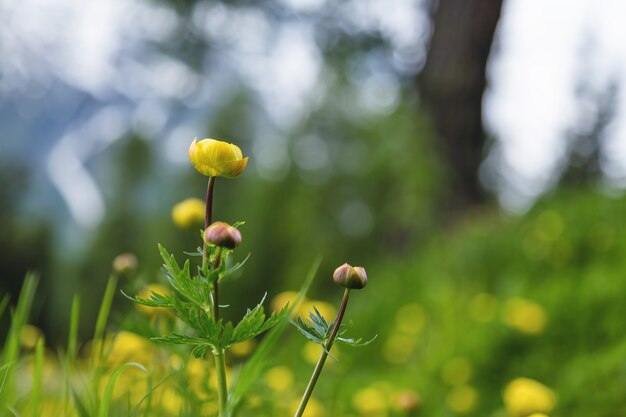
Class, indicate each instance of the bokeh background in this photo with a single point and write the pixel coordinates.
(470, 154)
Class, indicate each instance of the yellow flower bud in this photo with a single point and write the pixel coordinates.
(188, 213)
(215, 158)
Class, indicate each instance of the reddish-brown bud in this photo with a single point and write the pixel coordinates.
(353, 277)
(223, 235)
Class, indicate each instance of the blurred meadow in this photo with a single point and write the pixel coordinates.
(471, 155)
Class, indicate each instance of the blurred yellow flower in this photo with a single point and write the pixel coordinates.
(286, 297)
(538, 415)
(462, 399)
(524, 396)
(483, 307)
(311, 353)
(279, 378)
(197, 371)
(171, 401)
(188, 213)
(29, 335)
(370, 402)
(456, 371)
(146, 292)
(242, 349)
(524, 315)
(215, 158)
(129, 347)
(399, 348)
(313, 408)
(411, 319)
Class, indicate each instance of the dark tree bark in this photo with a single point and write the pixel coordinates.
(451, 88)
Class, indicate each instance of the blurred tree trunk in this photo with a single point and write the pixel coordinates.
(451, 88)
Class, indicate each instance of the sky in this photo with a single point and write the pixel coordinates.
(106, 51)
(543, 48)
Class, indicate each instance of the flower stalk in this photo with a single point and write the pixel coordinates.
(222, 387)
(322, 359)
(219, 355)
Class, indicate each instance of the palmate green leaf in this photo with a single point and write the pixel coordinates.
(255, 322)
(318, 330)
(180, 279)
(308, 332)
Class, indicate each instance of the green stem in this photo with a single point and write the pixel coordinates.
(320, 363)
(216, 300)
(220, 362)
(222, 388)
(208, 214)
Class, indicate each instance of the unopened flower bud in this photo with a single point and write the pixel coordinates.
(353, 277)
(223, 235)
(125, 263)
(215, 158)
(408, 401)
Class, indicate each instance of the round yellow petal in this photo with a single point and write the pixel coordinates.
(215, 158)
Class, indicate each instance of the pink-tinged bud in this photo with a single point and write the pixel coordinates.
(125, 263)
(353, 277)
(223, 235)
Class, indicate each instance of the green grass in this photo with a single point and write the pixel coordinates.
(568, 256)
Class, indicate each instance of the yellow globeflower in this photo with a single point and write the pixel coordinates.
(525, 315)
(215, 158)
(188, 212)
(171, 402)
(370, 402)
(524, 396)
(129, 347)
(288, 297)
(242, 349)
(279, 378)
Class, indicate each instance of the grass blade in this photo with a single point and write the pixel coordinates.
(73, 333)
(4, 303)
(11, 349)
(105, 404)
(35, 395)
(103, 316)
(253, 369)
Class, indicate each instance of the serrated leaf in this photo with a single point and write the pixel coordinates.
(199, 351)
(236, 267)
(356, 343)
(178, 278)
(180, 339)
(155, 300)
